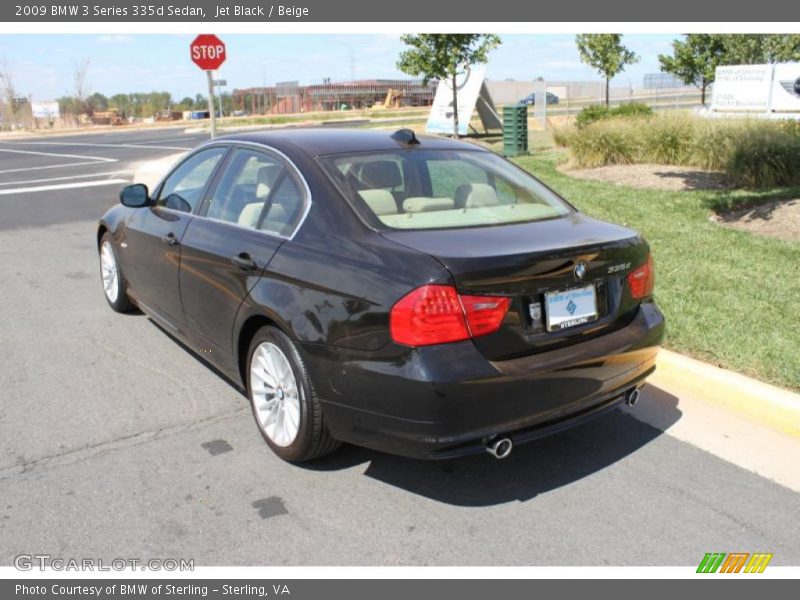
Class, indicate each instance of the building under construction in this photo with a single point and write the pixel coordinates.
(290, 97)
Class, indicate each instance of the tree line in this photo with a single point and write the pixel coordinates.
(136, 104)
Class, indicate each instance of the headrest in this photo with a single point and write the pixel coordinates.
(265, 177)
(381, 174)
(471, 195)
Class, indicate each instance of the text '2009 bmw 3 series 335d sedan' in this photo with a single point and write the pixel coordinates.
(421, 296)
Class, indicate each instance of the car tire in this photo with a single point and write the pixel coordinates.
(114, 286)
(285, 405)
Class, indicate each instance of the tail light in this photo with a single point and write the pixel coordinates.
(437, 314)
(642, 280)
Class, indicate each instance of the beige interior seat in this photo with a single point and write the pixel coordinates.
(473, 195)
(265, 178)
(250, 213)
(381, 202)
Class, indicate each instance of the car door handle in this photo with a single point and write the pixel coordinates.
(244, 262)
(170, 239)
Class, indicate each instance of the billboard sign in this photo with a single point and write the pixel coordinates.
(742, 88)
(786, 88)
(45, 110)
(472, 94)
(757, 88)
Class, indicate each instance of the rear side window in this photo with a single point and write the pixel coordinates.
(434, 189)
(257, 191)
(242, 194)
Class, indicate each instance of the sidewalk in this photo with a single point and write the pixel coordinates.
(769, 405)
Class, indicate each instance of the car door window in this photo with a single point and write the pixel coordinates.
(284, 208)
(242, 193)
(183, 188)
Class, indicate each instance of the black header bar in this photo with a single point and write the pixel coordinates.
(441, 11)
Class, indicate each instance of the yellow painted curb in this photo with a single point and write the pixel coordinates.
(773, 406)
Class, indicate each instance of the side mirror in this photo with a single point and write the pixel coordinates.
(135, 196)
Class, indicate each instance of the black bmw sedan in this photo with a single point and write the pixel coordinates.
(417, 295)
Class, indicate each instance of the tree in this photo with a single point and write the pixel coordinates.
(445, 56)
(695, 59)
(605, 53)
(97, 102)
(8, 90)
(751, 49)
(80, 86)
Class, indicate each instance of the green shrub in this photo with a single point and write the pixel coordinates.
(767, 158)
(598, 112)
(632, 109)
(754, 153)
(590, 114)
(667, 140)
(604, 143)
(713, 143)
(562, 136)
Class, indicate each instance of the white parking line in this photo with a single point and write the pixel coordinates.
(74, 164)
(85, 176)
(63, 186)
(98, 145)
(87, 160)
(95, 158)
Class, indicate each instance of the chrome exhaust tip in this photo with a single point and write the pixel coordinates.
(500, 448)
(632, 397)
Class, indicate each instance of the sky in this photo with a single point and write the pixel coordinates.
(42, 66)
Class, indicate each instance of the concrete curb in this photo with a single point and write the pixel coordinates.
(773, 406)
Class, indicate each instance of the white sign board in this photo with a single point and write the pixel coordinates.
(469, 88)
(742, 88)
(757, 88)
(45, 110)
(786, 88)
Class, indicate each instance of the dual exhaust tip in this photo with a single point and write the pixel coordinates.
(501, 447)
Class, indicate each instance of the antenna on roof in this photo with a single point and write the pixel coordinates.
(405, 136)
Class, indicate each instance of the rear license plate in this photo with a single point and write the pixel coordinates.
(570, 307)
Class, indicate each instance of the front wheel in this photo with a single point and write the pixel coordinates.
(285, 406)
(113, 283)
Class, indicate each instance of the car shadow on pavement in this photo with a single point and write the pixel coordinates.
(532, 469)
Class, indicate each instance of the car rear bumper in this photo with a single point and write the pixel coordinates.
(448, 400)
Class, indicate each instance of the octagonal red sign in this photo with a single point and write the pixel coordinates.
(207, 51)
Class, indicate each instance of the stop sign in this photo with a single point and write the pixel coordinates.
(208, 52)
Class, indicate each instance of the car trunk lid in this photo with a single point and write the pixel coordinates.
(543, 267)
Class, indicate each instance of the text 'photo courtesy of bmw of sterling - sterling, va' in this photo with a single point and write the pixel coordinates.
(422, 296)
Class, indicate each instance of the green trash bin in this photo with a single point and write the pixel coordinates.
(515, 130)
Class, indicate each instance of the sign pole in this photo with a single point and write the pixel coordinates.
(211, 111)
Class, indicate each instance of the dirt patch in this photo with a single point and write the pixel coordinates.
(777, 219)
(658, 177)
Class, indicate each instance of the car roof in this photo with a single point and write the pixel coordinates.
(320, 140)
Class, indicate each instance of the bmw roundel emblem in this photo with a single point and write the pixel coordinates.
(580, 270)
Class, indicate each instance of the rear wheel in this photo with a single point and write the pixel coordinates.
(113, 283)
(285, 406)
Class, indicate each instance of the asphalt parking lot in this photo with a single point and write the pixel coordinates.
(115, 441)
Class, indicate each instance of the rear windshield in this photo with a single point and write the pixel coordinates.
(419, 189)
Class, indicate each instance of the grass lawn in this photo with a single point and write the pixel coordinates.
(731, 298)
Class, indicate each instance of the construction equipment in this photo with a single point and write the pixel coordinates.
(393, 99)
(112, 116)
